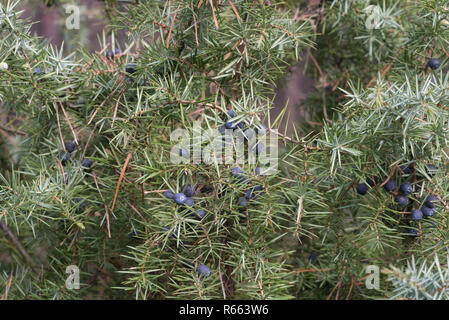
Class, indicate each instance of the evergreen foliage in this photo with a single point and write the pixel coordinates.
(87, 176)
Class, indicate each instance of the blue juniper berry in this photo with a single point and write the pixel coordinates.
(180, 198)
(37, 71)
(371, 181)
(413, 232)
(110, 54)
(70, 146)
(406, 169)
(86, 163)
(65, 156)
(427, 212)
(203, 270)
(249, 194)
(313, 257)
(434, 63)
(416, 214)
(189, 202)
(230, 124)
(430, 201)
(362, 188)
(231, 113)
(169, 194)
(130, 68)
(401, 200)
(200, 213)
(406, 188)
(243, 202)
(254, 192)
(236, 172)
(431, 169)
(390, 185)
(242, 179)
(188, 190)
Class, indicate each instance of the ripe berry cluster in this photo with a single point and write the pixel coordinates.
(250, 194)
(404, 191)
(185, 198)
(248, 133)
(86, 164)
(70, 148)
(130, 68)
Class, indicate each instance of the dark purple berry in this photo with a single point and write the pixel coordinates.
(188, 190)
(200, 213)
(430, 201)
(180, 198)
(65, 156)
(362, 188)
(371, 181)
(110, 54)
(243, 202)
(313, 257)
(434, 63)
(130, 68)
(236, 171)
(406, 188)
(70, 146)
(203, 270)
(401, 200)
(406, 170)
(230, 124)
(169, 194)
(416, 214)
(427, 212)
(189, 202)
(86, 163)
(390, 185)
(431, 169)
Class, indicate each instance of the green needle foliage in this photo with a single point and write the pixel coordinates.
(380, 113)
